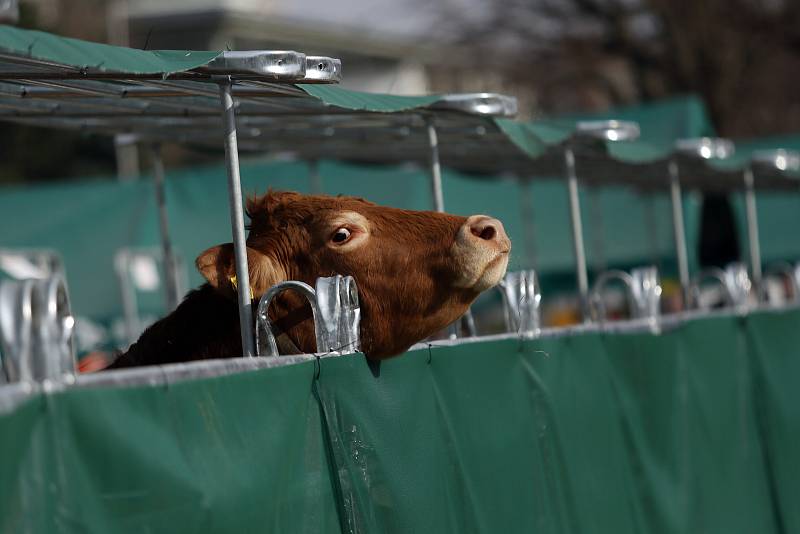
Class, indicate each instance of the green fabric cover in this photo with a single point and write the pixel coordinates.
(693, 430)
(360, 101)
(660, 123)
(77, 53)
(746, 147)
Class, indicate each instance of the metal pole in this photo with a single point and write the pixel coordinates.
(126, 154)
(170, 265)
(436, 168)
(752, 228)
(315, 180)
(438, 205)
(577, 234)
(679, 231)
(237, 219)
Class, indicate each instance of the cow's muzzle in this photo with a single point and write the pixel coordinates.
(481, 250)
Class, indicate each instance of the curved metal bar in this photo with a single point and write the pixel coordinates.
(264, 324)
(643, 291)
(598, 306)
(16, 329)
(733, 279)
(709, 273)
(337, 299)
(786, 270)
(54, 357)
(36, 330)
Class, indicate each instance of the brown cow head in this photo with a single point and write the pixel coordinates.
(416, 271)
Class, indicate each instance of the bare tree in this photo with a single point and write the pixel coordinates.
(741, 56)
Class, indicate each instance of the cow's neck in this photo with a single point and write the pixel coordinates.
(204, 326)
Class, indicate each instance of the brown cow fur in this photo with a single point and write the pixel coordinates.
(414, 277)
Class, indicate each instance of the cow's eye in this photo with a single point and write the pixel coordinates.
(341, 235)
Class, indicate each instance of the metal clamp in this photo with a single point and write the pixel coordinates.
(486, 104)
(643, 291)
(705, 147)
(36, 330)
(522, 300)
(335, 309)
(609, 130)
(734, 281)
(279, 65)
(322, 69)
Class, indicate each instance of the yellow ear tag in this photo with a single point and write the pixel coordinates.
(235, 284)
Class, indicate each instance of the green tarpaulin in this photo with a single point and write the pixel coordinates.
(693, 430)
(84, 54)
(661, 124)
(746, 148)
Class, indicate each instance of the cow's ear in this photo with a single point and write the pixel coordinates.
(218, 267)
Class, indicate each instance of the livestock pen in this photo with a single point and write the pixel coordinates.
(667, 423)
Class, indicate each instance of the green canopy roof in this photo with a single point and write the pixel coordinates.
(642, 162)
(748, 149)
(171, 96)
(54, 49)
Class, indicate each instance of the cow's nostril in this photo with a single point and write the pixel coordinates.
(486, 233)
(480, 230)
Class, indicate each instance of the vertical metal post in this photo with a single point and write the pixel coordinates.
(237, 218)
(577, 234)
(170, 265)
(752, 229)
(315, 181)
(126, 154)
(438, 205)
(436, 168)
(679, 232)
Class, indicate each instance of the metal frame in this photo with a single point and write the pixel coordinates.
(702, 148)
(775, 161)
(611, 130)
(43, 93)
(260, 110)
